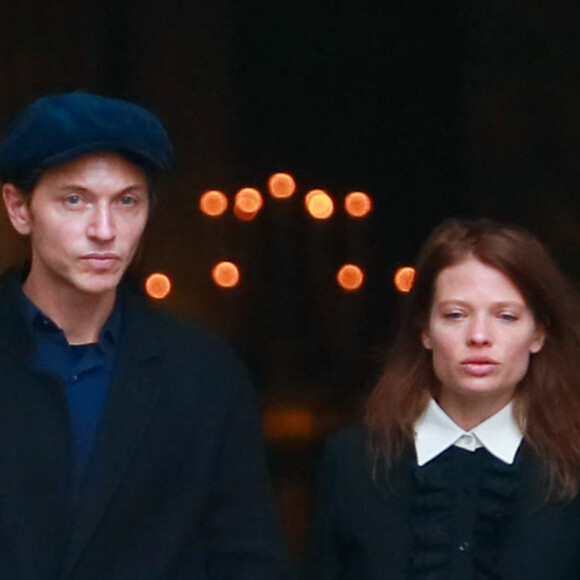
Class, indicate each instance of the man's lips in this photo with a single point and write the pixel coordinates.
(479, 366)
(101, 261)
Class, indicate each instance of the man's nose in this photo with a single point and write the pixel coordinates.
(102, 226)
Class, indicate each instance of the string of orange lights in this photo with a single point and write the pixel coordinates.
(248, 202)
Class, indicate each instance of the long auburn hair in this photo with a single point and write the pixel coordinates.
(547, 400)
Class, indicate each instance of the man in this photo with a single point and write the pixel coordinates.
(129, 444)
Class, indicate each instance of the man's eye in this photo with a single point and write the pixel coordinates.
(73, 200)
(128, 200)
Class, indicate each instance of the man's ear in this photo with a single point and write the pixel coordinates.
(17, 207)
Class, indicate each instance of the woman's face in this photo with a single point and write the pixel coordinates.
(481, 333)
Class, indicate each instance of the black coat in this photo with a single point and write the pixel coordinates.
(463, 516)
(176, 486)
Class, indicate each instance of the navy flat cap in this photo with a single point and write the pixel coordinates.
(58, 128)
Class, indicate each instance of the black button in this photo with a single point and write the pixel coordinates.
(463, 547)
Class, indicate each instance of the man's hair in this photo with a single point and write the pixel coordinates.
(547, 400)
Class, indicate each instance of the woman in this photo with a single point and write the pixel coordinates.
(469, 462)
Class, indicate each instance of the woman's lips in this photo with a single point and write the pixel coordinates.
(479, 367)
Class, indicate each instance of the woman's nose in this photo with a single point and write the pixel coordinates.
(479, 332)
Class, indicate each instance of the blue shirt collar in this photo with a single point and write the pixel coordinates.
(40, 324)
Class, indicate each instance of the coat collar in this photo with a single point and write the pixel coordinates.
(128, 410)
(15, 334)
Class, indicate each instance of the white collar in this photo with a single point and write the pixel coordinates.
(435, 432)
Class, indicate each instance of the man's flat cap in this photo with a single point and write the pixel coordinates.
(58, 128)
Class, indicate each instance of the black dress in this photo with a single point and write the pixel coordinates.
(465, 515)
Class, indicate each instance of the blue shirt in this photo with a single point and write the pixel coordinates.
(84, 371)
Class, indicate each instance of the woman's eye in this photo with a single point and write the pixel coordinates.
(508, 317)
(453, 315)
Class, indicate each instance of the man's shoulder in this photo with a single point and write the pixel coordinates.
(166, 327)
(11, 298)
(184, 346)
(10, 281)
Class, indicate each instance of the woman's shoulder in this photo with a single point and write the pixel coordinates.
(347, 452)
(348, 441)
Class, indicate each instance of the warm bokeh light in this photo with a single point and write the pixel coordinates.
(245, 216)
(288, 423)
(358, 204)
(281, 185)
(158, 285)
(213, 203)
(247, 203)
(404, 278)
(350, 277)
(226, 274)
(319, 204)
(249, 200)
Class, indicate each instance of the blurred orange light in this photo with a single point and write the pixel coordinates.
(319, 204)
(226, 274)
(404, 278)
(350, 277)
(158, 285)
(358, 204)
(249, 200)
(288, 423)
(213, 203)
(281, 185)
(245, 216)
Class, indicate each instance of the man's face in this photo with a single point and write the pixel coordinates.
(85, 220)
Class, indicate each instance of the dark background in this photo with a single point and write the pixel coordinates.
(435, 109)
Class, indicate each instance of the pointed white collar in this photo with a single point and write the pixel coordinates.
(435, 432)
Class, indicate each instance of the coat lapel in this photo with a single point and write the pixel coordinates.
(14, 334)
(35, 454)
(128, 410)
